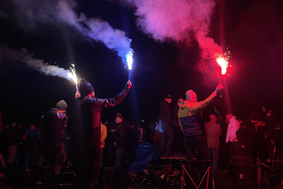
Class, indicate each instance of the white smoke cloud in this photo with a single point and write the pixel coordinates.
(29, 13)
(23, 56)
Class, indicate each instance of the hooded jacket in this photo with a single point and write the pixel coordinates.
(189, 116)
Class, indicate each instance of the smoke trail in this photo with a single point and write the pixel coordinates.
(30, 13)
(173, 20)
(36, 64)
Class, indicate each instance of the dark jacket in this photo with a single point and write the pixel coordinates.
(121, 138)
(273, 130)
(52, 126)
(111, 133)
(165, 114)
(246, 135)
(90, 113)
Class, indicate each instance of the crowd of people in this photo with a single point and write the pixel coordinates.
(87, 143)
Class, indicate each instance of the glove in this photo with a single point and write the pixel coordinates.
(219, 88)
(128, 85)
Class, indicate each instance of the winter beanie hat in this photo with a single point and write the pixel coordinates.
(85, 87)
(61, 104)
(190, 94)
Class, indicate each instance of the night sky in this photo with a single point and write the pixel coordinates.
(250, 30)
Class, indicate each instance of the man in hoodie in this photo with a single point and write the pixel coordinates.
(52, 130)
(190, 122)
(88, 125)
(166, 119)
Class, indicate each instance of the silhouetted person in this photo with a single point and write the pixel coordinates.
(213, 131)
(120, 140)
(87, 124)
(52, 130)
(103, 136)
(31, 136)
(273, 137)
(246, 135)
(166, 118)
(223, 155)
(12, 139)
(179, 137)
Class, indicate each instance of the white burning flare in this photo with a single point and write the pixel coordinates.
(223, 64)
(130, 59)
(73, 75)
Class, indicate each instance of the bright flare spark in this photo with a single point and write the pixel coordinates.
(73, 75)
(130, 59)
(222, 63)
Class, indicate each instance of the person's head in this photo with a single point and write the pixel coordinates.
(6, 126)
(212, 118)
(229, 115)
(62, 105)
(191, 96)
(168, 98)
(180, 100)
(119, 119)
(254, 117)
(85, 88)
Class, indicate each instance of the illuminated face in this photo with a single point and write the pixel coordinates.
(92, 95)
(229, 116)
(169, 100)
(193, 99)
(179, 102)
(212, 118)
(118, 120)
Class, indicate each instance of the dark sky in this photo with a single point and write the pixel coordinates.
(250, 29)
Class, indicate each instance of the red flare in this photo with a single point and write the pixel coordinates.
(222, 63)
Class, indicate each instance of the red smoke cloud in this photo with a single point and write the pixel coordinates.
(175, 20)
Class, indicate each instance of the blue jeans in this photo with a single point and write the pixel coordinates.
(215, 155)
(29, 160)
(166, 147)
